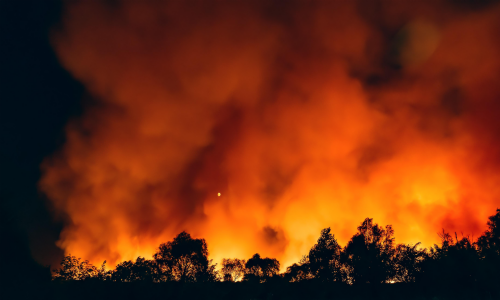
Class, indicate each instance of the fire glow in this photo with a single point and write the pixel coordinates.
(255, 124)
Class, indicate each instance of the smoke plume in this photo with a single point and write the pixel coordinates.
(301, 114)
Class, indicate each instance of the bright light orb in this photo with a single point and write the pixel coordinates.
(218, 194)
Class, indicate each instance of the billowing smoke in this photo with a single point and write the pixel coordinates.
(301, 114)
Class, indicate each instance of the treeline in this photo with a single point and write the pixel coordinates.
(371, 256)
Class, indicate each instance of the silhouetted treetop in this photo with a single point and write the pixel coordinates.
(489, 242)
(371, 256)
(233, 269)
(183, 245)
(140, 270)
(73, 268)
(408, 262)
(261, 269)
(299, 271)
(324, 257)
(186, 259)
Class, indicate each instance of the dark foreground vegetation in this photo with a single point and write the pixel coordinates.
(370, 266)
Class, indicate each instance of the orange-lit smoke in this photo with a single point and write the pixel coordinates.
(301, 114)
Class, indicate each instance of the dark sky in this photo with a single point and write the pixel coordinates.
(38, 97)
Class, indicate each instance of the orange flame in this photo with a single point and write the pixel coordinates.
(256, 124)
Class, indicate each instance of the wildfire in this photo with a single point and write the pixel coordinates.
(305, 115)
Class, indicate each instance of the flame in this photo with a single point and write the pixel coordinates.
(298, 116)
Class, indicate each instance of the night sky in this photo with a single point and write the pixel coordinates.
(38, 98)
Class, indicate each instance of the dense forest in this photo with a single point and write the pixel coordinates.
(371, 264)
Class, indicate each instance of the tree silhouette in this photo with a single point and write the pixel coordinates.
(454, 262)
(324, 258)
(141, 270)
(103, 274)
(261, 269)
(369, 254)
(489, 242)
(408, 262)
(124, 272)
(233, 269)
(299, 271)
(489, 249)
(73, 268)
(185, 259)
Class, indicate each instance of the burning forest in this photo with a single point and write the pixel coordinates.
(256, 124)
